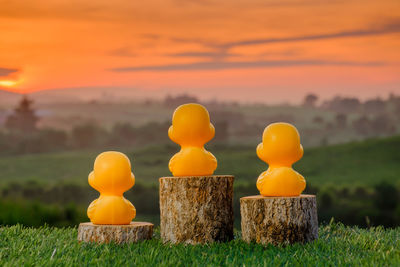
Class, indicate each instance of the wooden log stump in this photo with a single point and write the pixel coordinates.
(130, 233)
(279, 220)
(196, 209)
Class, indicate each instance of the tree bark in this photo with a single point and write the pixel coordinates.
(133, 232)
(196, 210)
(279, 220)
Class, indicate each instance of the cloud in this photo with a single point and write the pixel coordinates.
(214, 55)
(216, 59)
(221, 65)
(390, 27)
(5, 71)
(151, 36)
(123, 52)
(206, 43)
(221, 50)
(222, 54)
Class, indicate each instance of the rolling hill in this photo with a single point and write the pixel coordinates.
(365, 163)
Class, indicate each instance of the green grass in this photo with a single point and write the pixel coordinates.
(368, 162)
(337, 245)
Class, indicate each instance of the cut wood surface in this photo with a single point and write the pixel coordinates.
(133, 232)
(196, 209)
(279, 220)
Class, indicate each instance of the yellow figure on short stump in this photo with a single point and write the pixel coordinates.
(111, 176)
(191, 129)
(280, 148)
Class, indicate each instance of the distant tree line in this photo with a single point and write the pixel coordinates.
(363, 125)
(21, 134)
(354, 105)
(351, 117)
(84, 136)
(369, 118)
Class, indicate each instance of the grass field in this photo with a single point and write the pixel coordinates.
(367, 163)
(337, 245)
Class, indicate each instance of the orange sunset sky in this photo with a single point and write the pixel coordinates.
(246, 50)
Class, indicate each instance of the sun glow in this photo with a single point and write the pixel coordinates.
(8, 83)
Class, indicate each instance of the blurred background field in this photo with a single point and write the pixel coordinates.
(351, 160)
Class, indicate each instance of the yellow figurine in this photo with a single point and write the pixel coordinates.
(191, 129)
(280, 148)
(111, 176)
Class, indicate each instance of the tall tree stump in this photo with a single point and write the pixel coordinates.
(130, 233)
(279, 220)
(196, 209)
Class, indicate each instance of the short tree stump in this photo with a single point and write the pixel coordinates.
(130, 233)
(196, 209)
(279, 220)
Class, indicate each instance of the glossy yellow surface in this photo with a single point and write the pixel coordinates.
(280, 148)
(111, 176)
(191, 129)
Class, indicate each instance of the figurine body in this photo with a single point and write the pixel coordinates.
(280, 148)
(111, 176)
(191, 129)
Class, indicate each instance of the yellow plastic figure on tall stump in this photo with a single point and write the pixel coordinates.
(195, 205)
(111, 214)
(191, 129)
(280, 148)
(111, 176)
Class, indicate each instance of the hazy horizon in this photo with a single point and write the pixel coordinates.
(124, 95)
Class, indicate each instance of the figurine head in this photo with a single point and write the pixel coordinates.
(191, 125)
(280, 145)
(111, 173)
